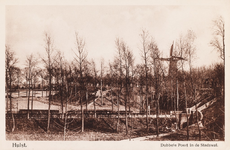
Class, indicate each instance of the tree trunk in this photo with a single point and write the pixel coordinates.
(141, 98)
(62, 105)
(11, 105)
(95, 87)
(28, 104)
(86, 100)
(82, 114)
(18, 88)
(171, 93)
(42, 87)
(48, 122)
(157, 114)
(118, 111)
(7, 89)
(66, 110)
(177, 96)
(95, 115)
(7, 99)
(101, 94)
(75, 90)
(126, 119)
(13, 122)
(32, 96)
(187, 129)
(10, 95)
(126, 100)
(197, 120)
(65, 123)
(111, 96)
(147, 122)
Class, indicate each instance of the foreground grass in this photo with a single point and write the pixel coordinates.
(70, 136)
(95, 129)
(30, 131)
(181, 135)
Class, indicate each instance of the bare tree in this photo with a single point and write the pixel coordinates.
(94, 71)
(111, 82)
(80, 58)
(140, 80)
(10, 66)
(191, 53)
(155, 55)
(19, 79)
(101, 76)
(66, 79)
(125, 62)
(59, 73)
(145, 54)
(218, 42)
(181, 48)
(34, 81)
(118, 64)
(128, 62)
(87, 77)
(48, 65)
(31, 62)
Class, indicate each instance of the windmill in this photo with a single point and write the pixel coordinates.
(172, 61)
(172, 73)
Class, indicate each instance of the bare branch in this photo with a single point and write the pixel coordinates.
(218, 42)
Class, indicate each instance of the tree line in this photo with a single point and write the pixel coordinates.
(158, 85)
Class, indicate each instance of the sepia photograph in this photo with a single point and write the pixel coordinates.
(115, 73)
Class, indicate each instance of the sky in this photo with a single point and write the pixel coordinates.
(99, 26)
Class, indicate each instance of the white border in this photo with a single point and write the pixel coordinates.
(225, 4)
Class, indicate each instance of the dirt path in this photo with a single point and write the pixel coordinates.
(146, 138)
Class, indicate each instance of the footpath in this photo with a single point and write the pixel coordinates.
(146, 138)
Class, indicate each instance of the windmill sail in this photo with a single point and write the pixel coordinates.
(171, 50)
(173, 64)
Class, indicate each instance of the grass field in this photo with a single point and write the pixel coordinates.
(95, 129)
